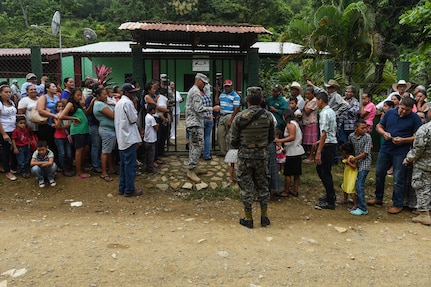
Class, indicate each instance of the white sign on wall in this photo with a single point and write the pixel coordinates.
(201, 65)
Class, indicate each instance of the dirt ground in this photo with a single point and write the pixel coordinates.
(160, 239)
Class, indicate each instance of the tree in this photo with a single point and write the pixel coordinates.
(345, 32)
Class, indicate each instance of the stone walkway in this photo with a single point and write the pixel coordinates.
(172, 175)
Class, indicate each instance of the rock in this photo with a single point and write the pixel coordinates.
(164, 179)
(269, 239)
(213, 185)
(162, 186)
(175, 185)
(201, 185)
(76, 204)
(188, 185)
(201, 240)
(340, 229)
(15, 272)
(3, 283)
(189, 219)
(223, 253)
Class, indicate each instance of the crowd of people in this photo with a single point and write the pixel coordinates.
(315, 130)
(46, 130)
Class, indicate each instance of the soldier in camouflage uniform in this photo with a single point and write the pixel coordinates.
(420, 156)
(251, 132)
(195, 112)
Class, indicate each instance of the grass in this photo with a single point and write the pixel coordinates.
(310, 184)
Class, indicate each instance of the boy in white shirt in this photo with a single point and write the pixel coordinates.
(150, 138)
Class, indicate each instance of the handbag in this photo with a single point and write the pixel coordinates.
(36, 118)
(33, 142)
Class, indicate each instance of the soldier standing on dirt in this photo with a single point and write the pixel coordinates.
(251, 132)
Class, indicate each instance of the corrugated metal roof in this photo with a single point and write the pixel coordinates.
(193, 27)
(19, 52)
(282, 48)
(123, 47)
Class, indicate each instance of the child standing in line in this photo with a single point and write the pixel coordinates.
(362, 142)
(350, 174)
(280, 152)
(150, 138)
(43, 165)
(21, 145)
(293, 105)
(231, 158)
(61, 140)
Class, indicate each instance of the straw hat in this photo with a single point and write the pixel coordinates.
(332, 83)
(401, 82)
(296, 85)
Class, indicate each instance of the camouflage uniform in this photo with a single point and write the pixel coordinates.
(252, 142)
(195, 111)
(420, 154)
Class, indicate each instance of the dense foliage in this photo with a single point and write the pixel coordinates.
(370, 32)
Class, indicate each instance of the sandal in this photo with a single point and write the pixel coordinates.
(83, 176)
(113, 171)
(229, 179)
(106, 178)
(282, 194)
(293, 193)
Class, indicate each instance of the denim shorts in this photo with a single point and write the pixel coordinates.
(109, 140)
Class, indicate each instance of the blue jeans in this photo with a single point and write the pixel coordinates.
(360, 189)
(23, 158)
(127, 170)
(96, 144)
(384, 162)
(42, 172)
(64, 150)
(208, 127)
(324, 171)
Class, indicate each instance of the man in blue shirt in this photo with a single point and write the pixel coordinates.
(229, 102)
(397, 127)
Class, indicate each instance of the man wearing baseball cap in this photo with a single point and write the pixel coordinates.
(127, 133)
(195, 115)
(229, 102)
(32, 80)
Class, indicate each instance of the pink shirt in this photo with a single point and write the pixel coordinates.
(371, 109)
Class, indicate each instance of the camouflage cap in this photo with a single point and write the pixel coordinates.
(254, 92)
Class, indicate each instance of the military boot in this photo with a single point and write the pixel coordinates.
(191, 174)
(423, 217)
(199, 171)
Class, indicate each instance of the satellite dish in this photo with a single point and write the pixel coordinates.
(55, 24)
(89, 34)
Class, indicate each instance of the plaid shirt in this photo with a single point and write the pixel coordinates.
(328, 123)
(206, 101)
(350, 116)
(362, 144)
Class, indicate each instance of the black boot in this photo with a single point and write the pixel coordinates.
(246, 223)
(264, 221)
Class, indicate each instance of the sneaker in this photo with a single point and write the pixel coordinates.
(374, 202)
(358, 212)
(246, 223)
(264, 221)
(41, 183)
(52, 182)
(324, 205)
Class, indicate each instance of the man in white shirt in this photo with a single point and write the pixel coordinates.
(128, 135)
